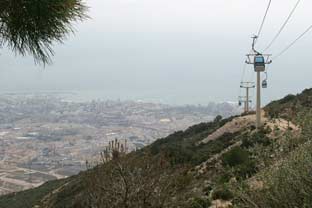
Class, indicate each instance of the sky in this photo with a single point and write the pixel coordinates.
(176, 51)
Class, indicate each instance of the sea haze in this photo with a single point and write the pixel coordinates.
(170, 97)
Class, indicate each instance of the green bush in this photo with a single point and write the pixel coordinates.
(246, 169)
(225, 177)
(235, 157)
(222, 193)
(217, 118)
(259, 137)
(288, 185)
(239, 159)
(200, 203)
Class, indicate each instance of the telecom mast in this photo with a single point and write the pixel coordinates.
(259, 61)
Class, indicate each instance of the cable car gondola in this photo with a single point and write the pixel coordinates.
(259, 63)
(265, 81)
(264, 84)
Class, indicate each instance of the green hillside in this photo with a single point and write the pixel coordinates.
(225, 163)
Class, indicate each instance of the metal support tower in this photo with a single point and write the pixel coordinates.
(247, 86)
(251, 59)
(243, 99)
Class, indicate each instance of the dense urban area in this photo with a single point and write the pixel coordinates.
(46, 136)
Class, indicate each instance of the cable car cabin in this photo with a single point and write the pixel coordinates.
(259, 63)
(264, 84)
(239, 103)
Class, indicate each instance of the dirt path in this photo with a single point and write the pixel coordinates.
(241, 123)
(233, 126)
(203, 167)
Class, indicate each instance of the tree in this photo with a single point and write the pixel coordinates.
(127, 182)
(32, 26)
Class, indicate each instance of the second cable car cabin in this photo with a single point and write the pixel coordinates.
(259, 63)
(264, 84)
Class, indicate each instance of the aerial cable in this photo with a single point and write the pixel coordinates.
(264, 18)
(293, 43)
(242, 79)
(244, 71)
(283, 26)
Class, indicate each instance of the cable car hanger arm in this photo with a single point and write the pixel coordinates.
(249, 60)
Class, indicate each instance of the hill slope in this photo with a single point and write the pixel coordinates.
(220, 163)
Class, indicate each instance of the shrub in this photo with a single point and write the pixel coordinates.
(218, 118)
(235, 157)
(246, 169)
(288, 185)
(257, 138)
(222, 193)
(239, 159)
(288, 98)
(225, 177)
(200, 203)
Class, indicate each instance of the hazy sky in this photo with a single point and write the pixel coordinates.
(172, 48)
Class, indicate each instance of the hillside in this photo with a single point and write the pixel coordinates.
(223, 163)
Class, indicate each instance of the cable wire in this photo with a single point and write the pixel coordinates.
(244, 71)
(242, 79)
(264, 18)
(293, 43)
(283, 25)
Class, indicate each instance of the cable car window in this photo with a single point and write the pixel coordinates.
(259, 60)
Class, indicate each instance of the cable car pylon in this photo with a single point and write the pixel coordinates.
(259, 61)
(247, 101)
